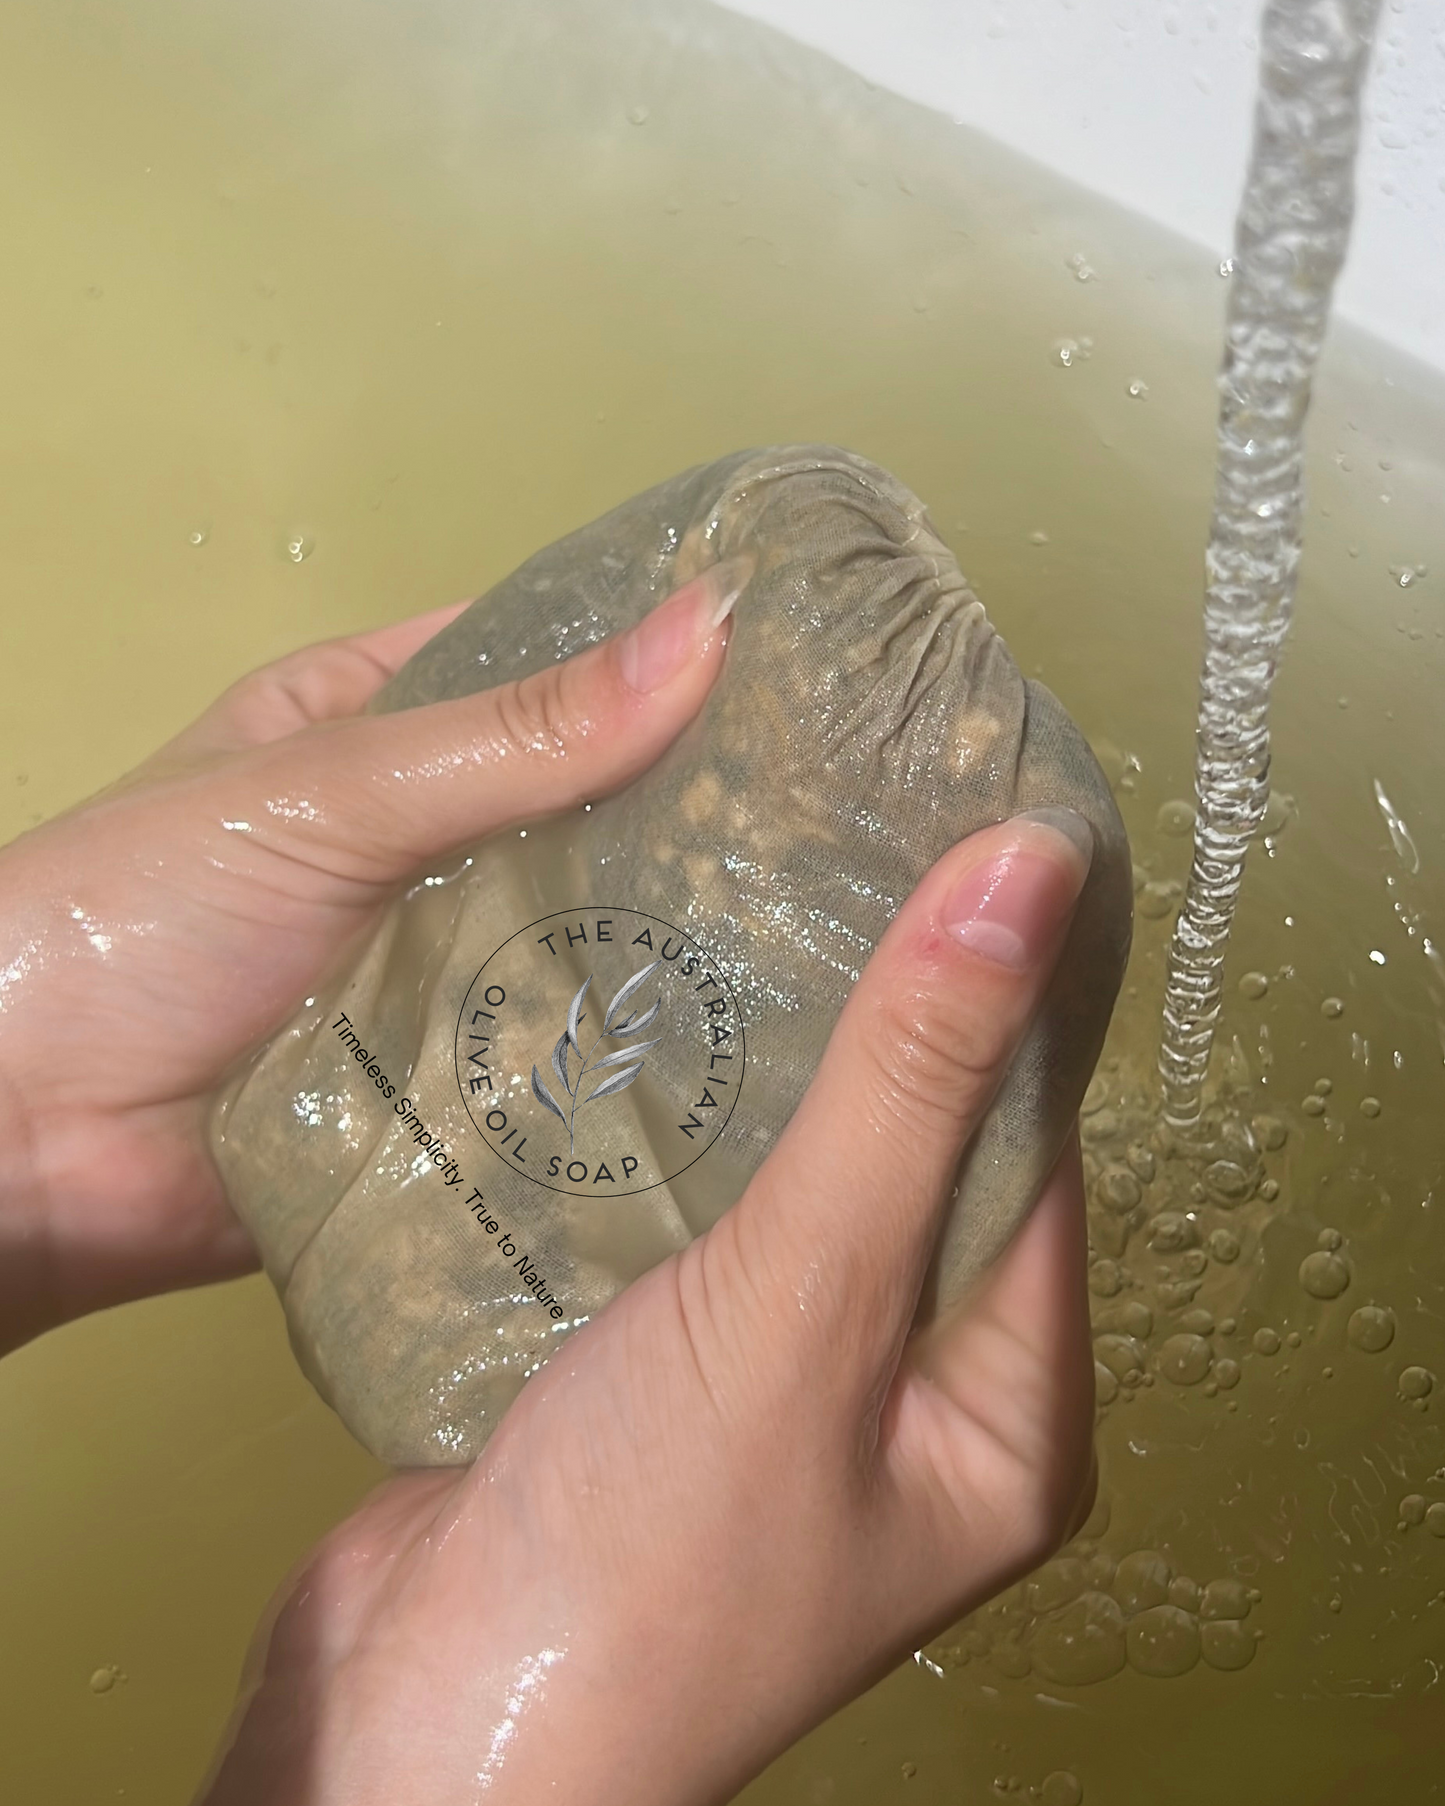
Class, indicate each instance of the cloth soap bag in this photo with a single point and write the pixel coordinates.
(435, 1214)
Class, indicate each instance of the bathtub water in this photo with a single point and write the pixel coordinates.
(323, 312)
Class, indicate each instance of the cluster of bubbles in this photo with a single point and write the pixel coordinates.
(1084, 1616)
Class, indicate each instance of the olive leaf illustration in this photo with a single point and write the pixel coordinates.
(617, 1069)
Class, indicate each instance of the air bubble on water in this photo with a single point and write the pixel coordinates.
(1224, 1246)
(1369, 1106)
(1435, 1518)
(1068, 352)
(1175, 818)
(1407, 575)
(198, 536)
(1332, 1007)
(1185, 1359)
(1139, 389)
(1038, 537)
(1079, 264)
(1226, 266)
(1412, 1508)
(637, 115)
(1416, 1382)
(1163, 1642)
(299, 547)
(1253, 985)
(1267, 1341)
(1371, 1328)
(1323, 1274)
(1160, 898)
(1061, 1788)
(103, 1679)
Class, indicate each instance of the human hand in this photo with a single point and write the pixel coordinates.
(748, 1487)
(153, 934)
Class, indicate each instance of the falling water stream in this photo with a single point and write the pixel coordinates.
(1290, 240)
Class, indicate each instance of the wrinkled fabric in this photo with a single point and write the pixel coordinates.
(868, 717)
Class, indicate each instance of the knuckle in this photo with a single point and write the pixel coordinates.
(532, 714)
(934, 1063)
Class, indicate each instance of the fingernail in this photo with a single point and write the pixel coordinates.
(1010, 908)
(663, 642)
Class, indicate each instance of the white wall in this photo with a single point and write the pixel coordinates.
(1149, 102)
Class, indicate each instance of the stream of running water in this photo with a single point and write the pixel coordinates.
(1291, 235)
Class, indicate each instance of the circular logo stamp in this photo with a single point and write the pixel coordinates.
(600, 1051)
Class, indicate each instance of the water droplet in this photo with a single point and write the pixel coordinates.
(1139, 389)
(1333, 1007)
(1038, 537)
(1266, 1341)
(299, 547)
(1078, 263)
(1068, 352)
(1372, 1328)
(638, 115)
(1323, 1275)
(1226, 266)
(1416, 1382)
(1253, 985)
(198, 536)
(1407, 575)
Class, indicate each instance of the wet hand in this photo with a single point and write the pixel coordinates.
(151, 936)
(749, 1487)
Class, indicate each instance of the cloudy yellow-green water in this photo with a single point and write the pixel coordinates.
(412, 290)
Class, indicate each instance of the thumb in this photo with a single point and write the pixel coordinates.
(369, 798)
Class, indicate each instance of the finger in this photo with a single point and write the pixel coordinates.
(318, 683)
(1015, 1357)
(367, 800)
(846, 1211)
(989, 1431)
